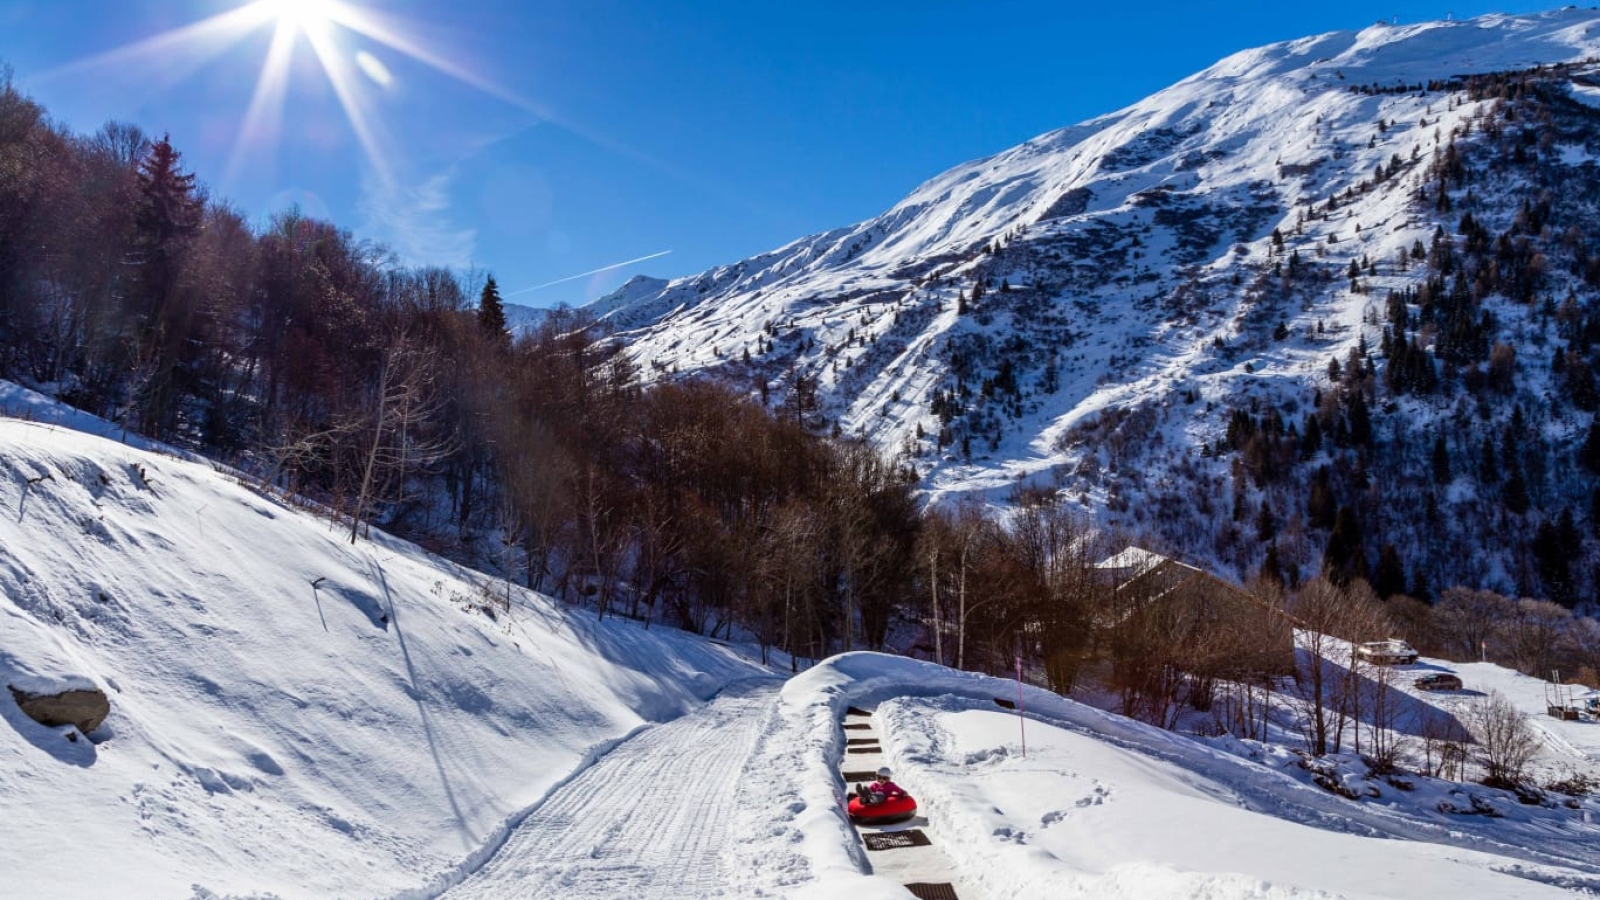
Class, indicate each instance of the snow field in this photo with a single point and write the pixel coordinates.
(290, 714)
(1104, 806)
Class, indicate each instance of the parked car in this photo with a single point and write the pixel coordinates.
(1439, 681)
(1387, 653)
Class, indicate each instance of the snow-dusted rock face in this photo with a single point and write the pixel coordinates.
(84, 709)
(1130, 272)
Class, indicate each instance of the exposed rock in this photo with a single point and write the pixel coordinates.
(84, 708)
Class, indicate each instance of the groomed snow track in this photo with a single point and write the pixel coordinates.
(652, 818)
(920, 864)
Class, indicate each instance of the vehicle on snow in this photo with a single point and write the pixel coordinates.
(1439, 681)
(1393, 652)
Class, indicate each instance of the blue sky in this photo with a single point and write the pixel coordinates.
(564, 137)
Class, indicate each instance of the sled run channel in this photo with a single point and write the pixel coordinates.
(652, 818)
(923, 869)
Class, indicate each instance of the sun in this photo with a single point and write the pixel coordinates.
(343, 36)
(301, 15)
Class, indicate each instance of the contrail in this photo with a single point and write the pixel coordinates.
(540, 287)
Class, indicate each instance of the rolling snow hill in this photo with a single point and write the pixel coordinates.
(296, 717)
(291, 714)
(1133, 293)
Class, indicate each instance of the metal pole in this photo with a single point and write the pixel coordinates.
(1021, 721)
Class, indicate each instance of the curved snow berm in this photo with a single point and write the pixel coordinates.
(291, 715)
(1120, 240)
(1106, 807)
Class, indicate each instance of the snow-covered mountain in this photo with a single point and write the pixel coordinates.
(1130, 273)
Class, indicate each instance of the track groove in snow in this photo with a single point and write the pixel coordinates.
(923, 863)
(650, 818)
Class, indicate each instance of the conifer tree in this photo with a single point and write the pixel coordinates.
(1441, 461)
(1589, 453)
(1390, 578)
(491, 310)
(1345, 560)
(166, 220)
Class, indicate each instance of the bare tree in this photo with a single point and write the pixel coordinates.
(405, 399)
(1506, 742)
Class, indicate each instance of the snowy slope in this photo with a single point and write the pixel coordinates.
(1108, 808)
(1136, 246)
(291, 715)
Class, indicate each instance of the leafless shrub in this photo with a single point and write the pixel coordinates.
(1506, 742)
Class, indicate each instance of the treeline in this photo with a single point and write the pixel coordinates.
(319, 365)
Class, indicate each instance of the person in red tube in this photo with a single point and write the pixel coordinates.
(883, 789)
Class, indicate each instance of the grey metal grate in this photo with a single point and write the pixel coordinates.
(896, 840)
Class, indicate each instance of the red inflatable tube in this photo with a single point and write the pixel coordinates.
(895, 809)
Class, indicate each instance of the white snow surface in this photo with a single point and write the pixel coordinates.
(379, 736)
(1104, 807)
(366, 737)
(870, 310)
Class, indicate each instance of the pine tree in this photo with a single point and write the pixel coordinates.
(1441, 461)
(1271, 567)
(166, 220)
(1345, 560)
(1488, 470)
(1311, 442)
(1266, 523)
(492, 311)
(1555, 546)
(1514, 494)
(1320, 505)
(1390, 578)
(1589, 453)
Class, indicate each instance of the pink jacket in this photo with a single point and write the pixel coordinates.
(886, 788)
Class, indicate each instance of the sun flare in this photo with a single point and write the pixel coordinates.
(346, 38)
(301, 15)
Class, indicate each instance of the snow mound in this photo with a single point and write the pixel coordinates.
(291, 714)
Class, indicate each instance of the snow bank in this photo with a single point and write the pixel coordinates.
(1083, 818)
(1104, 806)
(291, 714)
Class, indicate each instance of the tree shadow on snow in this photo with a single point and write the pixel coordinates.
(1381, 696)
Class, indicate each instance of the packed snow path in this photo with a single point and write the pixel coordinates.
(652, 818)
(925, 870)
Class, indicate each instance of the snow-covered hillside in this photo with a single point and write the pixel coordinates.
(294, 716)
(291, 714)
(1128, 266)
(1100, 806)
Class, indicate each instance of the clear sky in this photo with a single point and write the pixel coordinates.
(540, 140)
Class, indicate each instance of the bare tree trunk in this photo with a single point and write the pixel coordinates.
(372, 452)
(938, 623)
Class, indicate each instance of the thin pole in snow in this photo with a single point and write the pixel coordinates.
(1021, 721)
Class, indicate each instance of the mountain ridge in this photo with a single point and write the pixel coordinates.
(1111, 290)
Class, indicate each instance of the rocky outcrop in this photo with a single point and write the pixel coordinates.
(84, 708)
